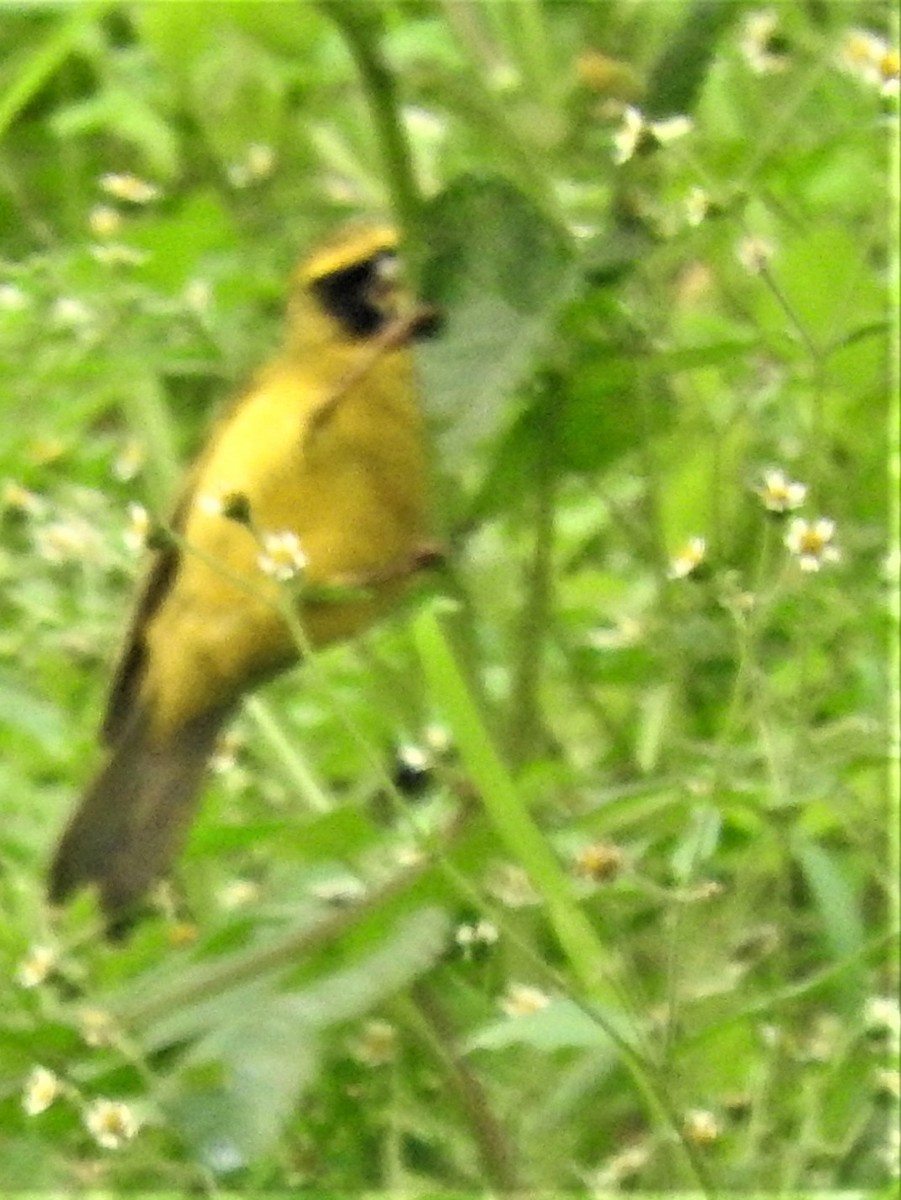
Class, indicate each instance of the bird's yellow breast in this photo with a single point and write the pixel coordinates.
(341, 466)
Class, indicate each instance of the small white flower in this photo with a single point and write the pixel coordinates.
(780, 494)
(697, 205)
(124, 186)
(520, 1000)
(670, 129)
(12, 298)
(19, 499)
(97, 1027)
(225, 754)
(237, 893)
(811, 542)
(413, 757)
(755, 253)
(117, 254)
(635, 133)
(479, 935)
(882, 1014)
(198, 296)
(258, 163)
(282, 557)
(36, 966)
(71, 312)
(689, 558)
(139, 526)
(377, 1044)
(888, 1082)
(701, 1127)
(41, 1088)
(129, 460)
(104, 220)
(627, 138)
(762, 45)
(872, 60)
(111, 1123)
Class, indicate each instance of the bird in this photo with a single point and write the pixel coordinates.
(317, 469)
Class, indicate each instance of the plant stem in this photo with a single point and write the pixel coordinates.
(494, 1147)
(527, 734)
(360, 26)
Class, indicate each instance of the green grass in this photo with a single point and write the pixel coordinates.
(631, 928)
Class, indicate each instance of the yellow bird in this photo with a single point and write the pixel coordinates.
(321, 462)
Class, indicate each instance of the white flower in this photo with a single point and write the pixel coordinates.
(882, 1014)
(780, 494)
(521, 1000)
(377, 1044)
(282, 556)
(129, 460)
(237, 893)
(701, 1127)
(19, 499)
(258, 163)
(689, 558)
(811, 542)
(71, 312)
(198, 295)
(117, 254)
(104, 220)
(872, 60)
(755, 253)
(36, 966)
(670, 129)
(761, 44)
(135, 536)
(111, 1123)
(123, 186)
(636, 133)
(12, 298)
(41, 1088)
(97, 1027)
(697, 205)
(480, 935)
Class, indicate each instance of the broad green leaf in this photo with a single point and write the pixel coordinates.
(241, 1085)
(834, 896)
(562, 1024)
(500, 269)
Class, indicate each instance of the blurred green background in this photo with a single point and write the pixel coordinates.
(587, 881)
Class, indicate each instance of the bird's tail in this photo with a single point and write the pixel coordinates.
(136, 814)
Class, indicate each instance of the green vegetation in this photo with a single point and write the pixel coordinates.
(580, 872)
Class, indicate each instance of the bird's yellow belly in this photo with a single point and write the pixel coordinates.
(352, 491)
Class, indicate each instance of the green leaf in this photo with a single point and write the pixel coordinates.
(561, 1025)
(698, 844)
(501, 270)
(834, 896)
(241, 1085)
(24, 713)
